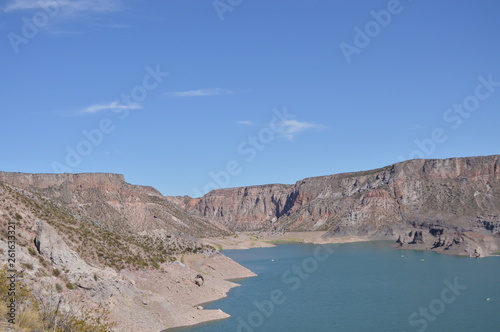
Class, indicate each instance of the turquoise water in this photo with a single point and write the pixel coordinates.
(359, 287)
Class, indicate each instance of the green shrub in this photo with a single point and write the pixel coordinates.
(28, 266)
(59, 288)
(32, 251)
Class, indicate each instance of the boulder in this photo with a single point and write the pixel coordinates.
(199, 280)
(418, 238)
(52, 246)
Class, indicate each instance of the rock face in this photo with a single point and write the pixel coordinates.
(246, 208)
(49, 244)
(456, 195)
(412, 192)
(418, 238)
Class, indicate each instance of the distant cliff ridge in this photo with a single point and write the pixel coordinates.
(365, 202)
(456, 195)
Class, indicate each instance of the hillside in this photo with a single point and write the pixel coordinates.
(91, 241)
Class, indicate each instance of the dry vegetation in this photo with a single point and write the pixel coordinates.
(35, 313)
(94, 242)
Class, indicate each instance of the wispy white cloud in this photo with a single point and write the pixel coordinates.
(109, 106)
(246, 123)
(200, 93)
(289, 128)
(286, 128)
(62, 12)
(65, 6)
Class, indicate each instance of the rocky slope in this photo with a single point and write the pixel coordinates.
(92, 239)
(446, 199)
(108, 200)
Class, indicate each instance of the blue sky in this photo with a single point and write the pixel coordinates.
(189, 95)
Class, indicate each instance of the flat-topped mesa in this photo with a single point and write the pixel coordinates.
(375, 202)
(104, 181)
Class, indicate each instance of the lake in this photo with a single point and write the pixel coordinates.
(366, 286)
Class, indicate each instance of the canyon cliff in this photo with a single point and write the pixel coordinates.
(139, 253)
(448, 200)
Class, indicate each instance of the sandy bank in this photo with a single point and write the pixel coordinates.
(246, 240)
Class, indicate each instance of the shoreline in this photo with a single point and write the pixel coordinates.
(248, 240)
(173, 296)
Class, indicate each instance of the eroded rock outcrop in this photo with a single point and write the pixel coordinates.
(50, 245)
(418, 238)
